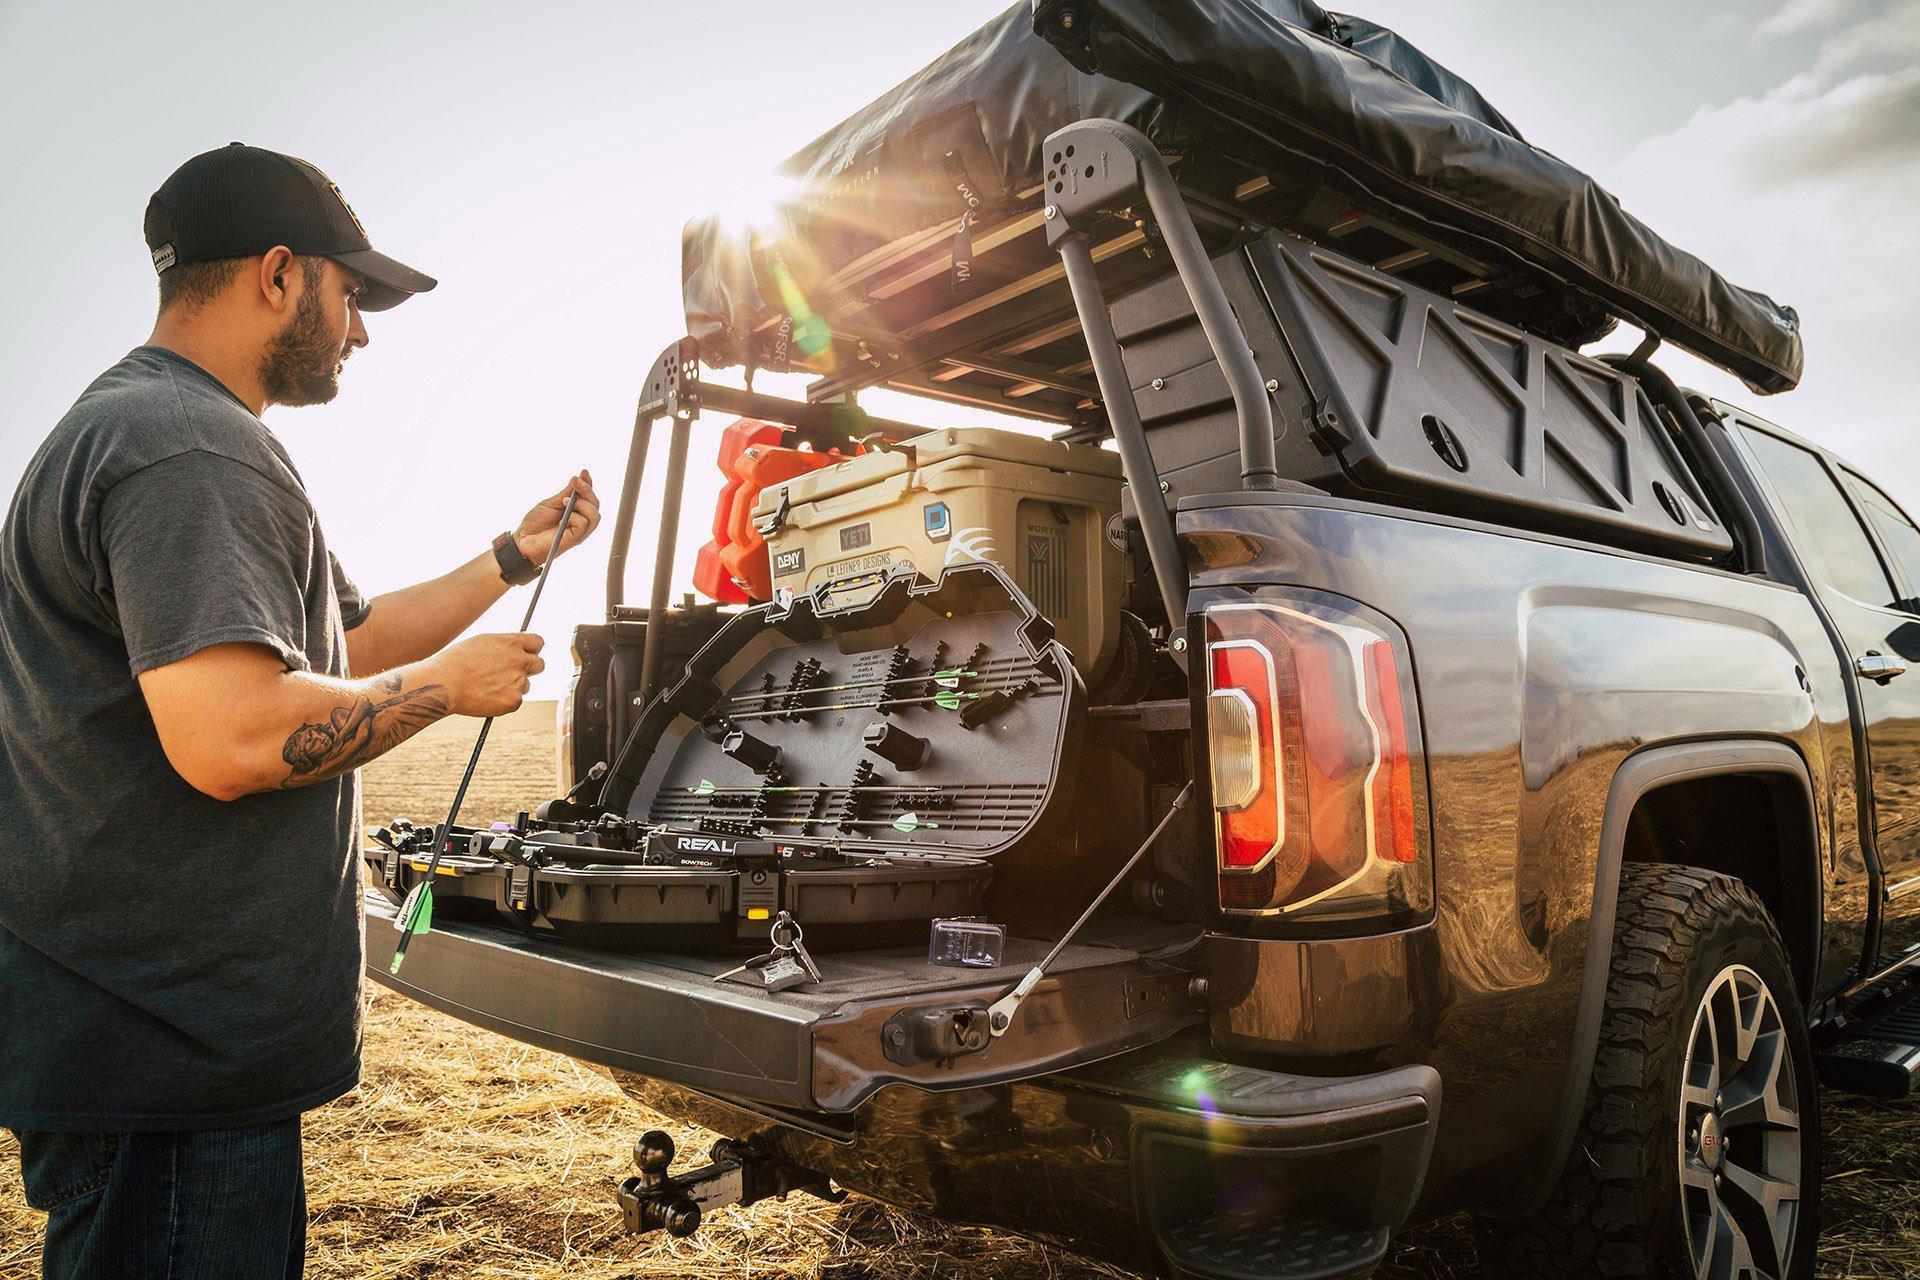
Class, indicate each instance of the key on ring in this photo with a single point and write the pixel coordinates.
(793, 943)
(758, 962)
(786, 966)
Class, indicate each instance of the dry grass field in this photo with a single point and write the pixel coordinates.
(464, 1154)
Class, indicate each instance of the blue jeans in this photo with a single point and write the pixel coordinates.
(217, 1204)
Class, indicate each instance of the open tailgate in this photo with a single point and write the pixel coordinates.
(871, 1021)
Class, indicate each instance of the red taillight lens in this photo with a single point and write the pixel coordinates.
(1393, 783)
(1243, 723)
(1311, 756)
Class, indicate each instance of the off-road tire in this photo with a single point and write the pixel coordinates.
(1616, 1214)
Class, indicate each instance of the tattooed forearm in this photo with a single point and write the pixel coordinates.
(364, 728)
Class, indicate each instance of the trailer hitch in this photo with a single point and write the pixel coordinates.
(656, 1200)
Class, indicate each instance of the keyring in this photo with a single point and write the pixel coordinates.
(785, 920)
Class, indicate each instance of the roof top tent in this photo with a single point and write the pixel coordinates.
(914, 255)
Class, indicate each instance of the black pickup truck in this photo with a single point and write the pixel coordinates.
(1498, 795)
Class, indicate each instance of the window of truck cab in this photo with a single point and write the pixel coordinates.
(1833, 539)
(1899, 537)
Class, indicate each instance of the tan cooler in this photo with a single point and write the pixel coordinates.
(1038, 508)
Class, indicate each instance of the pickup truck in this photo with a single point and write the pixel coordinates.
(1511, 809)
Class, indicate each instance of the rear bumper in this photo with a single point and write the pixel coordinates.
(1124, 1159)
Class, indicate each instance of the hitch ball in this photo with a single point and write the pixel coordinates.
(653, 1154)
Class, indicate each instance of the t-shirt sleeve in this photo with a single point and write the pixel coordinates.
(203, 550)
(354, 607)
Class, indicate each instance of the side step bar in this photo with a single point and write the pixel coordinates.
(1271, 1246)
(1249, 1174)
(1878, 1056)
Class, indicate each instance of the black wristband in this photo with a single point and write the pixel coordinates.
(515, 569)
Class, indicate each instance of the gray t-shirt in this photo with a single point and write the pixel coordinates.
(167, 961)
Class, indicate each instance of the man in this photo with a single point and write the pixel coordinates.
(190, 683)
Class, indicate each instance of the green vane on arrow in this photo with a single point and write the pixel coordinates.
(416, 916)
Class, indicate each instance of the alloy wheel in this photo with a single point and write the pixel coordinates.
(1740, 1134)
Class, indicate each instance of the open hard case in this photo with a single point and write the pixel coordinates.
(861, 766)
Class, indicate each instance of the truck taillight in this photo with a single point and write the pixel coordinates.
(1243, 736)
(1312, 745)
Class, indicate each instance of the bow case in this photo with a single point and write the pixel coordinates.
(895, 749)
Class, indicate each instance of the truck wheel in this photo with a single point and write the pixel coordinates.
(1698, 1153)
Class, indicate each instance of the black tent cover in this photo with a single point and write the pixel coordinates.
(1280, 85)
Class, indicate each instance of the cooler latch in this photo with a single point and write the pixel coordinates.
(772, 522)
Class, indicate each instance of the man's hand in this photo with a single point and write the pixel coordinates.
(414, 622)
(488, 675)
(535, 532)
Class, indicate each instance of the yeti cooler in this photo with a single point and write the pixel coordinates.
(1038, 508)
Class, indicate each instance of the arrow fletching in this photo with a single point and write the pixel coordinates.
(416, 913)
(415, 917)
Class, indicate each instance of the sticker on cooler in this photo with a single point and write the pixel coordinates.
(789, 562)
(971, 543)
(939, 522)
(873, 562)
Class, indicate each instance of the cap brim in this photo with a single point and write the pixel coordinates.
(388, 282)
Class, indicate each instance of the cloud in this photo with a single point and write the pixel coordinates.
(1802, 196)
(1887, 37)
(1869, 124)
(1801, 15)
(1806, 190)
(1833, 147)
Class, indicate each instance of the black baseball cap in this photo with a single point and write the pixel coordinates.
(238, 201)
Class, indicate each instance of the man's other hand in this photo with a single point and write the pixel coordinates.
(535, 532)
(414, 623)
(488, 675)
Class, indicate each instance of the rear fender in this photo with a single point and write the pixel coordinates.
(1639, 775)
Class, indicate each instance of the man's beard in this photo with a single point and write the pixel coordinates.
(301, 363)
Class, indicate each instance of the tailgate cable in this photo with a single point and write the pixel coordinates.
(1000, 1012)
(416, 913)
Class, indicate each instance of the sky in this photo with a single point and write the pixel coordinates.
(541, 160)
